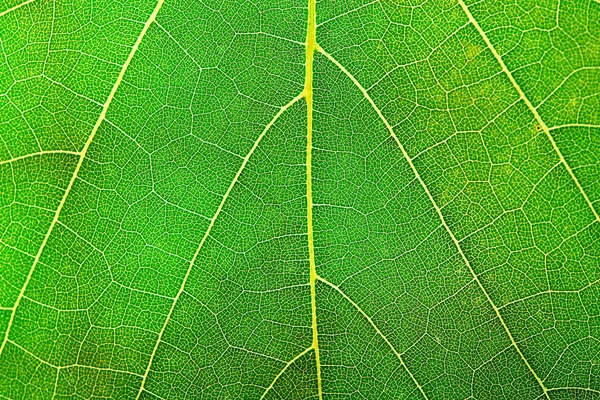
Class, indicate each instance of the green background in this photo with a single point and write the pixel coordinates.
(153, 225)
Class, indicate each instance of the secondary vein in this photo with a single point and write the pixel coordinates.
(287, 365)
(364, 314)
(529, 105)
(15, 7)
(439, 213)
(40, 153)
(82, 155)
(205, 237)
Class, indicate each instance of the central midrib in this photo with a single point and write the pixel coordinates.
(311, 45)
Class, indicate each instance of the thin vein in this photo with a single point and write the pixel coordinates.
(574, 388)
(438, 211)
(40, 153)
(271, 36)
(68, 89)
(574, 126)
(364, 314)
(16, 249)
(15, 7)
(550, 292)
(348, 12)
(293, 360)
(64, 367)
(533, 110)
(205, 237)
(78, 167)
(179, 45)
(562, 83)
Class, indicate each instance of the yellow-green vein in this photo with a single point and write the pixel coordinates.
(287, 365)
(15, 7)
(366, 316)
(82, 155)
(206, 234)
(438, 211)
(311, 45)
(533, 110)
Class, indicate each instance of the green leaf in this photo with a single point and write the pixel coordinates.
(298, 199)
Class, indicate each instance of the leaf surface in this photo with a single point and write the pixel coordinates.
(333, 199)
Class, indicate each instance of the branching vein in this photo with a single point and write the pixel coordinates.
(287, 365)
(438, 211)
(40, 153)
(311, 45)
(205, 237)
(78, 167)
(533, 110)
(364, 314)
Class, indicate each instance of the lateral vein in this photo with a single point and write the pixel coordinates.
(287, 365)
(15, 7)
(438, 211)
(82, 155)
(40, 153)
(533, 110)
(574, 388)
(364, 314)
(207, 233)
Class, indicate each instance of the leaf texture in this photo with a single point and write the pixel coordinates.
(300, 199)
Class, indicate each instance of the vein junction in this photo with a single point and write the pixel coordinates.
(82, 156)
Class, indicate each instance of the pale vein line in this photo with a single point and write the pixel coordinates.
(78, 167)
(574, 388)
(271, 36)
(40, 153)
(575, 125)
(62, 85)
(42, 361)
(348, 12)
(311, 45)
(55, 385)
(293, 360)
(15, 7)
(438, 210)
(207, 233)
(562, 83)
(60, 368)
(531, 296)
(364, 314)
(16, 249)
(529, 105)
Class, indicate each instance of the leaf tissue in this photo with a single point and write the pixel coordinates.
(295, 199)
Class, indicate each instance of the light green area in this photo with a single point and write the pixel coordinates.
(153, 200)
